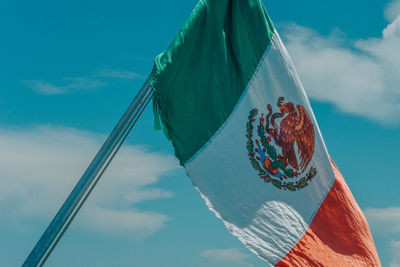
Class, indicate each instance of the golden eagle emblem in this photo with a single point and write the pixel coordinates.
(282, 152)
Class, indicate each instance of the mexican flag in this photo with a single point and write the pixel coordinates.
(228, 97)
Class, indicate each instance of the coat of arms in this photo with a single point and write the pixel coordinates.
(284, 147)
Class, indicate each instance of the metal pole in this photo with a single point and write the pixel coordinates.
(86, 183)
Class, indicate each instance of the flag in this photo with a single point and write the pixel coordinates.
(228, 97)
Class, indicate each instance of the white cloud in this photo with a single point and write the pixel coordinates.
(387, 220)
(392, 10)
(362, 79)
(40, 166)
(231, 254)
(69, 85)
(146, 194)
(44, 87)
(130, 223)
(395, 247)
(119, 74)
(393, 29)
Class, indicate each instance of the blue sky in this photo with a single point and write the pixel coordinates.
(69, 69)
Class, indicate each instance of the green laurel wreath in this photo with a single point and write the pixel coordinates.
(276, 162)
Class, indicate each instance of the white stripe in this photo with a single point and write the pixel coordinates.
(267, 220)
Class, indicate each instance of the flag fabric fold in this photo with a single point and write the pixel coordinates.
(208, 65)
(228, 97)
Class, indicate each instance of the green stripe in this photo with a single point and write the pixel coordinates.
(198, 80)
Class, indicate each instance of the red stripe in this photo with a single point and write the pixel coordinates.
(339, 234)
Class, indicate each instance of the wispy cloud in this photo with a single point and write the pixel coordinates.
(67, 85)
(119, 74)
(361, 79)
(39, 167)
(233, 255)
(392, 10)
(395, 247)
(387, 220)
(122, 223)
(71, 84)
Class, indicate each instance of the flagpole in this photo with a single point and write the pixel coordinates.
(88, 181)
